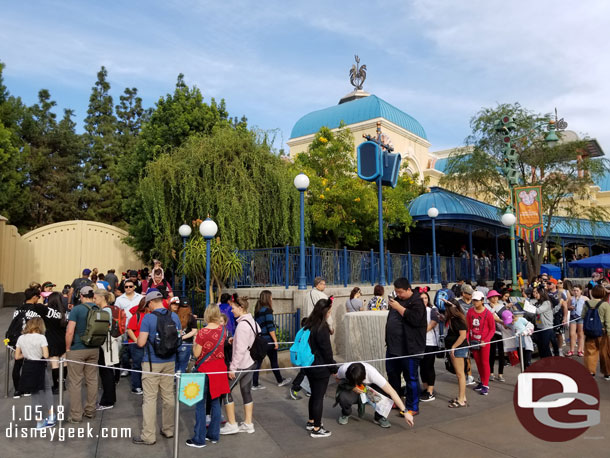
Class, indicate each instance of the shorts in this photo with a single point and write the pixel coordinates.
(460, 352)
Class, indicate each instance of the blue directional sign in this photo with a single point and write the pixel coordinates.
(391, 168)
(370, 161)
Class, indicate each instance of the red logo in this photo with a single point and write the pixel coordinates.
(556, 399)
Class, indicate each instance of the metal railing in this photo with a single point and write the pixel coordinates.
(265, 267)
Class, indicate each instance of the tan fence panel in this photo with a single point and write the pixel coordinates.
(59, 252)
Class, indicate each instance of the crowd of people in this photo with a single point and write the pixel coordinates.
(136, 327)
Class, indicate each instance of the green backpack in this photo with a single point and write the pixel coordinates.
(98, 324)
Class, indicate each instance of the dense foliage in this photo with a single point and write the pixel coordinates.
(565, 171)
(343, 208)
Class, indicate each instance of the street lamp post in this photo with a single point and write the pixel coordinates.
(208, 229)
(185, 232)
(509, 219)
(301, 182)
(432, 214)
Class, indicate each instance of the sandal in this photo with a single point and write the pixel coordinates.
(581, 354)
(569, 354)
(454, 404)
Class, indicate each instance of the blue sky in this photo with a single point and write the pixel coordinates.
(275, 61)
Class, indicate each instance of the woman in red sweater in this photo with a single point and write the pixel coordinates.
(209, 351)
(481, 328)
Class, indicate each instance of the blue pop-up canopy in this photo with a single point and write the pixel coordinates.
(600, 260)
(551, 269)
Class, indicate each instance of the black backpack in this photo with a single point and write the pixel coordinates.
(168, 340)
(16, 327)
(258, 349)
(79, 283)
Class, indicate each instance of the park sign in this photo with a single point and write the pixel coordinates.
(375, 162)
(528, 206)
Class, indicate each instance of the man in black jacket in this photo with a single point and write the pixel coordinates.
(407, 314)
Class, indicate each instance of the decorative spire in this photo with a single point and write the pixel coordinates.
(357, 74)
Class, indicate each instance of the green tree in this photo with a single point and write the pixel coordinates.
(175, 118)
(229, 175)
(343, 208)
(101, 196)
(14, 193)
(565, 171)
(225, 263)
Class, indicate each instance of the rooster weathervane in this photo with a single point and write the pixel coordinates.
(357, 74)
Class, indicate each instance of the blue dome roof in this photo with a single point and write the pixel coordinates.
(363, 109)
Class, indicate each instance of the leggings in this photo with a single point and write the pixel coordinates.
(272, 354)
(481, 357)
(316, 401)
(497, 345)
(245, 385)
(427, 374)
(543, 340)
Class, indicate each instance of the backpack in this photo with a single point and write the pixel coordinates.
(119, 321)
(167, 340)
(258, 349)
(441, 296)
(15, 328)
(98, 324)
(300, 351)
(593, 324)
(80, 282)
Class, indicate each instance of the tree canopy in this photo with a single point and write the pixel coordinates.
(228, 175)
(565, 171)
(343, 208)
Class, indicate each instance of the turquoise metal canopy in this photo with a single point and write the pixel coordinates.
(359, 110)
(455, 209)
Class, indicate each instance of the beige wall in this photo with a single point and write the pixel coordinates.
(59, 252)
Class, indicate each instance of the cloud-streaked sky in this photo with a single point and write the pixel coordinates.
(275, 61)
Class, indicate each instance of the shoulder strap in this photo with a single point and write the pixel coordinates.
(202, 360)
(253, 330)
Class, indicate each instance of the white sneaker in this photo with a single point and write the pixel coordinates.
(258, 387)
(470, 380)
(285, 382)
(246, 428)
(229, 428)
(491, 377)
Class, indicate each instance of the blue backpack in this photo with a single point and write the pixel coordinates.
(300, 351)
(438, 300)
(593, 324)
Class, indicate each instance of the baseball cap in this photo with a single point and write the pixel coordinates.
(152, 295)
(86, 271)
(599, 270)
(553, 281)
(493, 293)
(467, 289)
(444, 283)
(86, 291)
(478, 296)
(174, 300)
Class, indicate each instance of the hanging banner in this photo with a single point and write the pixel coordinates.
(528, 207)
(192, 387)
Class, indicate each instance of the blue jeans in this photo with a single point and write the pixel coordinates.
(200, 426)
(136, 353)
(182, 357)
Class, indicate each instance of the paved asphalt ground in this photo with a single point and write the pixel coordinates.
(487, 428)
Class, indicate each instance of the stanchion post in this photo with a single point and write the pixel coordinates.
(177, 415)
(8, 369)
(521, 361)
(61, 392)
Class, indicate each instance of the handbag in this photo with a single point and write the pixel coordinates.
(449, 364)
(195, 368)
